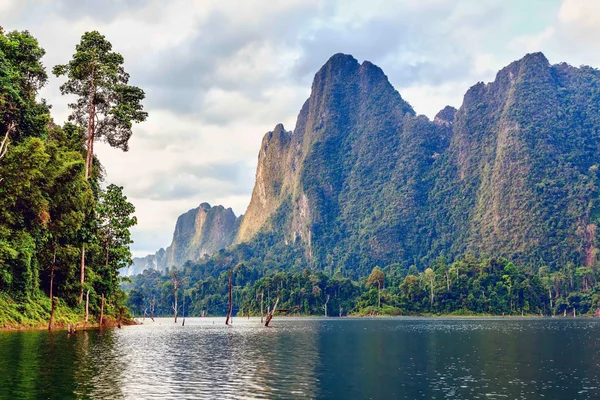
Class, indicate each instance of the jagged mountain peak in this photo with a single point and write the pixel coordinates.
(199, 231)
(445, 116)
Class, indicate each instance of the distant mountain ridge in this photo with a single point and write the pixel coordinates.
(198, 232)
(362, 180)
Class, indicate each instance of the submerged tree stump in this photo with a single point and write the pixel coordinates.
(271, 313)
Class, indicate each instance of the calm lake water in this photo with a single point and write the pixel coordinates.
(309, 358)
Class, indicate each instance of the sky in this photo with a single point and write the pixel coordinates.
(220, 74)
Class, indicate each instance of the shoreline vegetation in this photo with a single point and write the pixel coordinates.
(467, 286)
(113, 323)
(35, 315)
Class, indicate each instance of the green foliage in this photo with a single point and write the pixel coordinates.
(468, 286)
(48, 209)
(96, 74)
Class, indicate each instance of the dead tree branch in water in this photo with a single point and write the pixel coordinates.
(176, 283)
(272, 312)
(152, 303)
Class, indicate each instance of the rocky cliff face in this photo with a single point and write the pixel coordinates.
(521, 166)
(200, 231)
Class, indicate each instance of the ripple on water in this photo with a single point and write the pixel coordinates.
(403, 358)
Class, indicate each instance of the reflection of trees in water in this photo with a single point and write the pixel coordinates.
(19, 363)
(40, 364)
(99, 364)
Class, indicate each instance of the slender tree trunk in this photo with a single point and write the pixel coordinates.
(52, 301)
(102, 313)
(431, 284)
(6, 140)
(51, 323)
(51, 282)
(91, 128)
(230, 307)
(183, 310)
(88, 163)
(82, 272)
(550, 296)
(325, 306)
(272, 312)
(152, 308)
(379, 294)
(262, 296)
(175, 305)
(87, 309)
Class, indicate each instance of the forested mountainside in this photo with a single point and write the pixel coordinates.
(64, 232)
(511, 177)
(200, 231)
(362, 180)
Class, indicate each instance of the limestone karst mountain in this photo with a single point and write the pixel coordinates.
(362, 180)
(200, 231)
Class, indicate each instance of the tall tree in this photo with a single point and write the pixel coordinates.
(376, 278)
(22, 75)
(114, 218)
(106, 105)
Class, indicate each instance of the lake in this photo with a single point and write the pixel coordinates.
(336, 358)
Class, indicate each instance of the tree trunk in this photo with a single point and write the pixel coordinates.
(272, 312)
(51, 283)
(230, 308)
(379, 294)
(87, 309)
(51, 323)
(88, 162)
(52, 274)
(175, 306)
(262, 296)
(152, 308)
(6, 140)
(325, 306)
(102, 313)
(550, 296)
(432, 291)
(91, 129)
(183, 311)
(82, 272)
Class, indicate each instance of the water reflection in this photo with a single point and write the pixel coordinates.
(308, 358)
